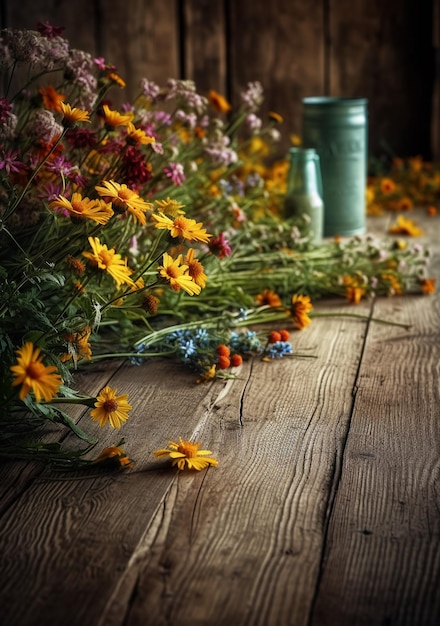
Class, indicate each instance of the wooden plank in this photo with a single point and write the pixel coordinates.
(67, 540)
(204, 41)
(141, 39)
(242, 543)
(281, 45)
(78, 19)
(15, 477)
(382, 559)
(370, 57)
(435, 115)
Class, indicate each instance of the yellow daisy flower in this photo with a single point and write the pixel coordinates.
(111, 408)
(175, 273)
(170, 206)
(387, 185)
(354, 290)
(83, 208)
(394, 286)
(275, 117)
(187, 454)
(32, 374)
(109, 261)
(78, 346)
(113, 118)
(404, 226)
(116, 80)
(124, 199)
(138, 136)
(195, 269)
(114, 455)
(182, 227)
(72, 115)
(300, 309)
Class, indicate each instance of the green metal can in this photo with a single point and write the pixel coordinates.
(337, 129)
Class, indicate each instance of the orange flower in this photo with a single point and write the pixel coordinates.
(428, 285)
(300, 309)
(218, 102)
(387, 186)
(269, 298)
(51, 98)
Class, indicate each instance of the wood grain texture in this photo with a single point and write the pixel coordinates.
(142, 39)
(323, 510)
(382, 559)
(76, 535)
(385, 52)
(205, 44)
(17, 477)
(280, 44)
(242, 544)
(79, 19)
(371, 55)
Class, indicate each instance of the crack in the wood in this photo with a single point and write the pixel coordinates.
(240, 408)
(196, 509)
(337, 468)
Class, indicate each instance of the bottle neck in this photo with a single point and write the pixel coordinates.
(304, 174)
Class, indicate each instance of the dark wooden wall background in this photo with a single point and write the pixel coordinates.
(385, 51)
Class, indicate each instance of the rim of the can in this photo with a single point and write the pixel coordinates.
(331, 100)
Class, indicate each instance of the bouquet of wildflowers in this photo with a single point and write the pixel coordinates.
(157, 228)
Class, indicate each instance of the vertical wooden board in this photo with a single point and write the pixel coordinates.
(78, 18)
(435, 115)
(205, 44)
(141, 39)
(242, 543)
(382, 559)
(384, 53)
(280, 44)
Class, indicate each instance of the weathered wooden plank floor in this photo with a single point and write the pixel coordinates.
(324, 510)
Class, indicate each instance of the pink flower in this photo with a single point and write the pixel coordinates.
(8, 162)
(175, 172)
(220, 246)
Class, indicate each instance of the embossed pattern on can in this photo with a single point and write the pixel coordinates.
(337, 129)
